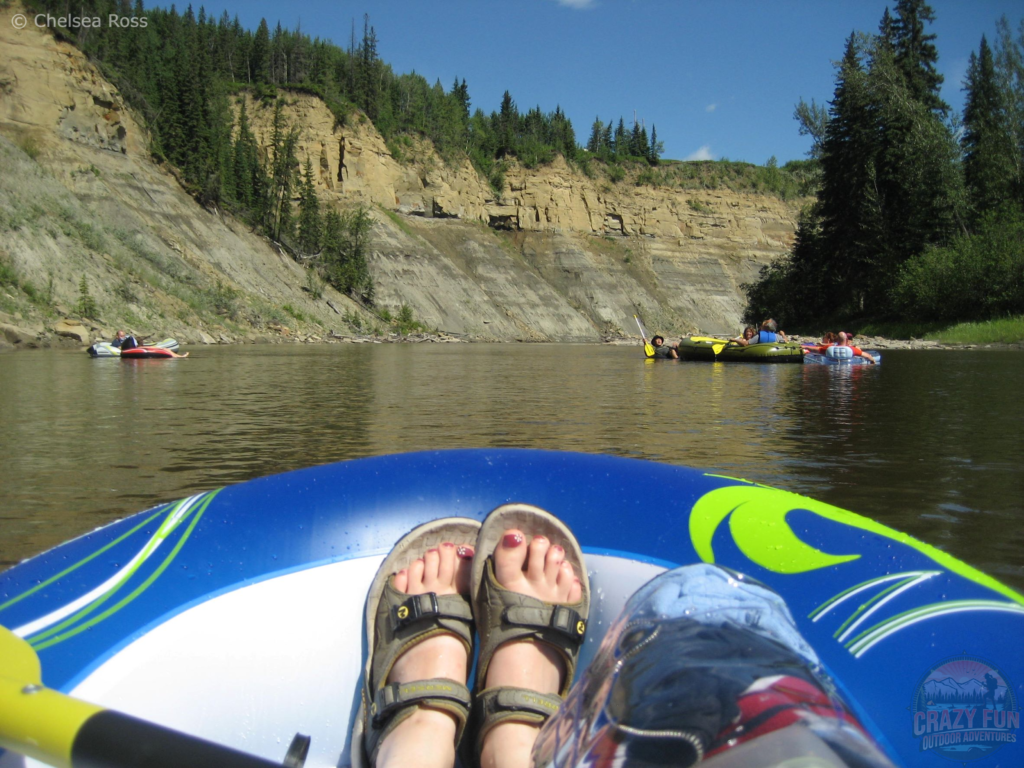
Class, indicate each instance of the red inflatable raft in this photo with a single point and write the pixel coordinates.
(140, 353)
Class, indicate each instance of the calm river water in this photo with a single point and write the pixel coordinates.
(931, 443)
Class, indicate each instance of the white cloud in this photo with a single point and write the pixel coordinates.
(579, 5)
(711, 107)
(704, 153)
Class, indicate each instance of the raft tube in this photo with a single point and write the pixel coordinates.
(106, 349)
(708, 350)
(236, 614)
(817, 358)
(147, 353)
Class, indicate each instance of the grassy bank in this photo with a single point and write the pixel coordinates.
(1008, 330)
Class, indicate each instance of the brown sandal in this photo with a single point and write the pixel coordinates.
(502, 615)
(396, 621)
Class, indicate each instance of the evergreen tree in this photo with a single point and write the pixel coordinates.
(621, 140)
(595, 142)
(309, 211)
(986, 141)
(245, 162)
(506, 126)
(920, 194)
(344, 250)
(367, 77)
(1009, 61)
(657, 147)
(259, 55)
(848, 234)
(916, 54)
(887, 30)
(278, 213)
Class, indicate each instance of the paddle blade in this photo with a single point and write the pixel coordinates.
(648, 349)
(717, 345)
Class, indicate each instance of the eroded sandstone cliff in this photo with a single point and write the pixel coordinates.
(554, 255)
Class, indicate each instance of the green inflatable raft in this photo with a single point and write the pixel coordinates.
(719, 350)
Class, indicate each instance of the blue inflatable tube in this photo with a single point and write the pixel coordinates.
(236, 614)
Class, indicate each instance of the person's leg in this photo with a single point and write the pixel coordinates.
(427, 737)
(538, 569)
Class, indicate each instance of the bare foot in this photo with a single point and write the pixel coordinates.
(539, 569)
(427, 737)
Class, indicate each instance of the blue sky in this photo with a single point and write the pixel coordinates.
(718, 79)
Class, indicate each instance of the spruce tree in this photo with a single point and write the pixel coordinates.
(596, 134)
(838, 257)
(657, 147)
(1009, 60)
(986, 140)
(506, 124)
(621, 140)
(309, 211)
(916, 54)
(259, 55)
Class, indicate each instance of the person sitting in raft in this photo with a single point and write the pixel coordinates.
(769, 333)
(662, 350)
(124, 341)
(746, 336)
(842, 340)
(699, 652)
(827, 340)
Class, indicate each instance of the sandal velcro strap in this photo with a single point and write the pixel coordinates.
(429, 606)
(523, 700)
(493, 706)
(396, 696)
(560, 618)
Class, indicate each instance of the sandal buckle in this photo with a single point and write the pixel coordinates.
(383, 703)
(568, 622)
(413, 609)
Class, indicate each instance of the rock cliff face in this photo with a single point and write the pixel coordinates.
(554, 255)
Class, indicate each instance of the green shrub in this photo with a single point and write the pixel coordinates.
(29, 145)
(497, 178)
(294, 313)
(977, 277)
(223, 299)
(405, 323)
(353, 320)
(315, 283)
(648, 177)
(616, 173)
(8, 274)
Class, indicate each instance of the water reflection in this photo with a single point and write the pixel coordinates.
(929, 443)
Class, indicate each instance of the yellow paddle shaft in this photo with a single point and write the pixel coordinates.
(39, 722)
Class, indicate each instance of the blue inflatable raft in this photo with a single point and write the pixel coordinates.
(236, 614)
